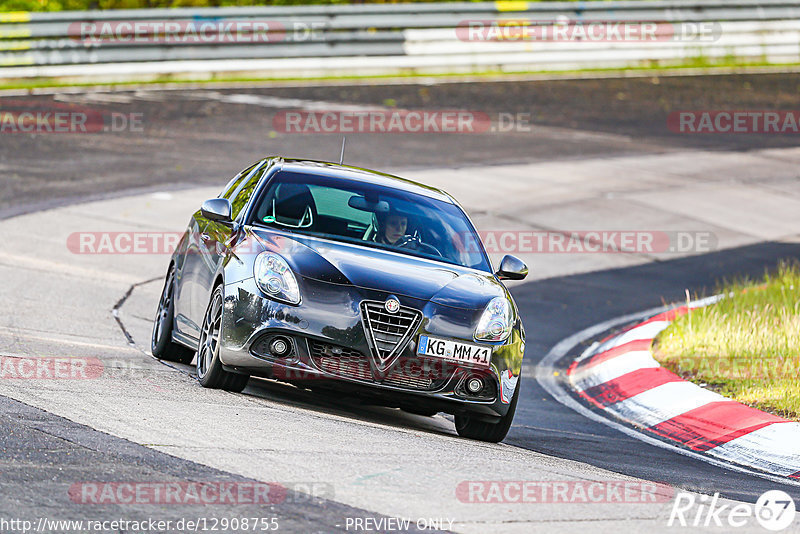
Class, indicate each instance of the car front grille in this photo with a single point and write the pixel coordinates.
(409, 373)
(388, 333)
(340, 361)
(421, 374)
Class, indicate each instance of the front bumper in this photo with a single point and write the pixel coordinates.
(330, 349)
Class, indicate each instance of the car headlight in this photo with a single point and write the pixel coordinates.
(495, 323)
(275, 278)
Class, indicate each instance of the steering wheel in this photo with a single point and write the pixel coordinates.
(414, 243)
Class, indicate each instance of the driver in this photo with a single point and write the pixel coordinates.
(391, 227)
(399, 230)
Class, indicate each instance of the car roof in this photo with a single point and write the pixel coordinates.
(358, 174)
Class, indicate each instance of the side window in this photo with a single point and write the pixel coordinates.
(246, 187)
(235, 182)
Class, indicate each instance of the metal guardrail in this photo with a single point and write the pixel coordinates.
(407, 36)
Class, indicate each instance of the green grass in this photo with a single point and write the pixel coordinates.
(746, 346)
(487, 75)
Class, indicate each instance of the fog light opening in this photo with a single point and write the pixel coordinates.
(474, 385)
(280, 347)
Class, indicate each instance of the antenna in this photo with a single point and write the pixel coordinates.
(341, 157)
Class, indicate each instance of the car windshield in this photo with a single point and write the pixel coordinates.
(371, 215)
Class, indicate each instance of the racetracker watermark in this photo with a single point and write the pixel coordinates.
(588, 242)
(562, 492)
(494, 242)
(586, 31)
(47, 117)
(101, 243)
(418, 370)
(381, 121)
(46, 368)
(198, 493)
(196, 31)
(734, 122)
(124, 242)
(738, 367)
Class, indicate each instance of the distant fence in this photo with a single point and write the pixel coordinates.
(368, 39)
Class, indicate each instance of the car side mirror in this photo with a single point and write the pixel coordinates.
(217, 209)
(512, 268)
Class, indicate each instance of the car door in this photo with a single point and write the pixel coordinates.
(186, 276)
(216, 240)
(193, 265)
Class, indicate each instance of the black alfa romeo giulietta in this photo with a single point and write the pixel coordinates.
(330, 276)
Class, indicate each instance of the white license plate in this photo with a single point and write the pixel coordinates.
(454, 350)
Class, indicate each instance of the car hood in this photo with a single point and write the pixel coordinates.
(398, 274)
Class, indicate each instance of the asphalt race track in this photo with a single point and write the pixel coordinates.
(597, 156)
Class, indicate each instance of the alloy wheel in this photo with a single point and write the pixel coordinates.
(164, 305)
(209, 336)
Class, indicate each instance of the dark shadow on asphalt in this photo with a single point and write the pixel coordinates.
(332, 402)
(556, 308)
(335, 403)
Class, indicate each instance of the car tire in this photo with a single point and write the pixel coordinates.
(469, 427)
(209, 367)
(161, 344)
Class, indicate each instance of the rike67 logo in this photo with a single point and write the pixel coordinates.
(774, 510)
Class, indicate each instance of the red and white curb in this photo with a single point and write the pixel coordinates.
(620, 377)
